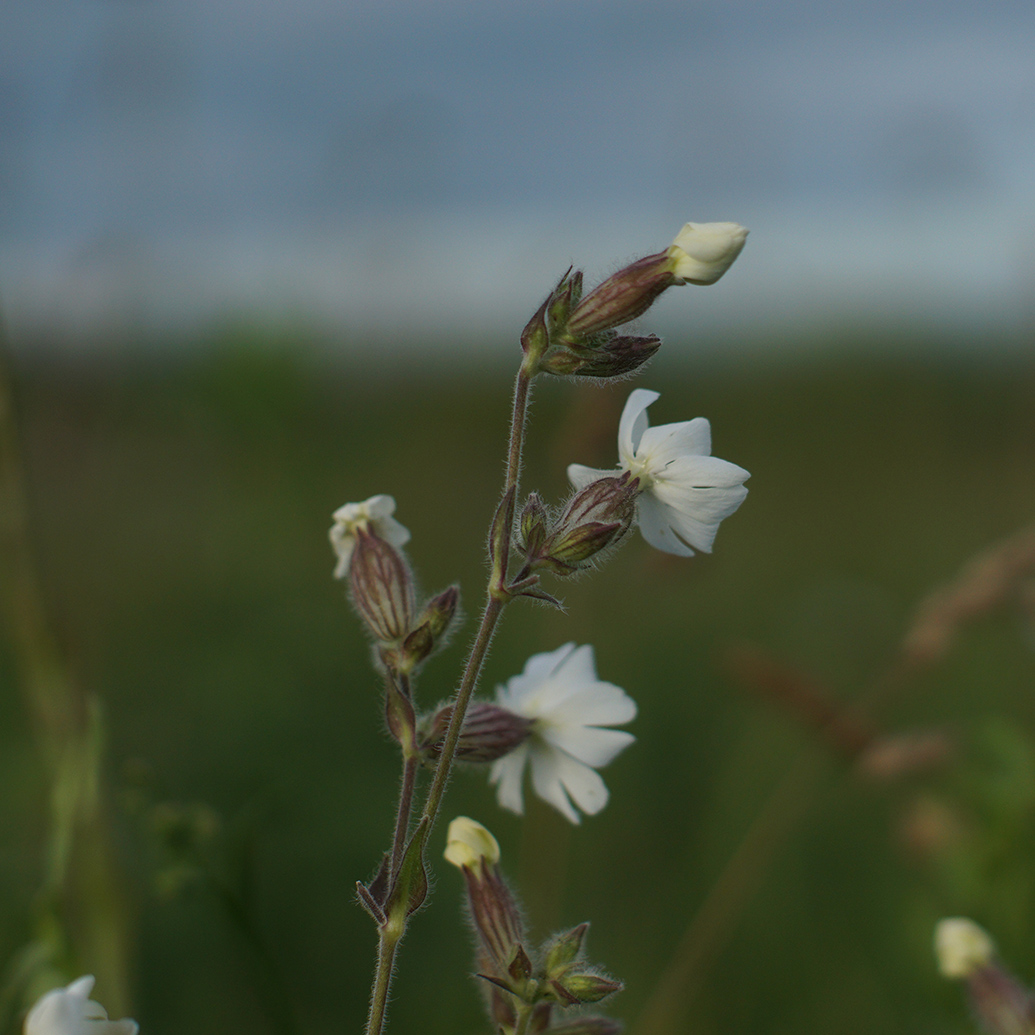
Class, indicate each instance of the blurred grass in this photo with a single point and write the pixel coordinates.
(181, 508)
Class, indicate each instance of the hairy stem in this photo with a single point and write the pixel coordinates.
(495, 601)
(496, 598)
(386, 947)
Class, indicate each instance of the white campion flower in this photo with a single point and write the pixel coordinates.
(375, 513)
(566, 703)
(71, 1011)
(702, 252)
(684, 491)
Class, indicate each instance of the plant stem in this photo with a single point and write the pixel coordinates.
(391, 932)
(382, 982)
(402, 818)
(495, 601)
(409, 777)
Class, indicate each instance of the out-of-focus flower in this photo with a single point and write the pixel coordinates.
(567, 704)
(71, 1011)
(961, 947)
(684, 491)
(702, 252)
(375, 514)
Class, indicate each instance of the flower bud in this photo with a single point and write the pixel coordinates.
(489, 732)
(615, 357)
(622, 297)
(429, 629)
(493, 911)
(596, 517)
(469, 844)
(584, 988)
(382, 586)
(565, 950)
(534, 338)
(702, 252)
(961, 947)
(534, 522)
(567, 294)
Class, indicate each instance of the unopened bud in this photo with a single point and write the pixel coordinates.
(492, 909)
(382, 586)
(534, 523)
(430, 628)
(961, 947)
(469, 844)
(702, 252)
(565, 296)
(595, 518)
(584, 988)
(565, 950)
(535, 338)
(615, 357)
(622, 297)
(489, 732)
(440, 610)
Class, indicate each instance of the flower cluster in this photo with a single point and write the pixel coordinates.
(519, 980)
(556, 719)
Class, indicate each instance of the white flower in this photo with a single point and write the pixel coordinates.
(704, 251)
(684, 492)
(71, 1011)
(560, 693)
(961, 947)
(375, 513)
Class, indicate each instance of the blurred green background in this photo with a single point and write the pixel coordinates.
(180, 503)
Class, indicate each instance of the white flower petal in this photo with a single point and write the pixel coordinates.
(655, 520)
(546, 779)
(671, 441)
(596, 704)
(704, 251)
(584, 784)
(520, 690)
(70, 1011)
(507, 774)
(577, 668)
(376, 513)
(581, 476)
(633, 423)
(590, 745)
(560, 692)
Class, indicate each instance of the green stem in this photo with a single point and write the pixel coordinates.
(409, 778)
(392, 931)
(386, 947)
(496, 599)
(524, 1016)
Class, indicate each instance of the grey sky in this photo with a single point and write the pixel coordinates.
(440, 161)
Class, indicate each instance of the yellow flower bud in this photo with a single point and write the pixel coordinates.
(702, 252)
(468, 843)
(961, 947)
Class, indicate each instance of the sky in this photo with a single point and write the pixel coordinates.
(390, 166)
